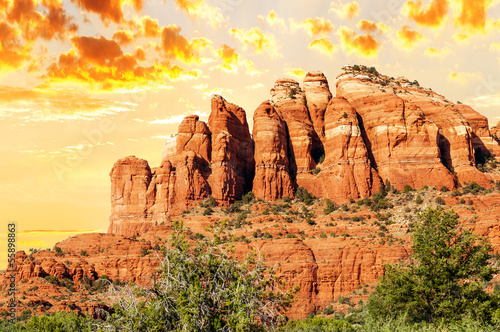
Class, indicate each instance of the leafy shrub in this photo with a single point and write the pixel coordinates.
(267, 235)
(248, 198)
(445, 280)
(304, 196)
(419, 200)
(444, 189)
(59, 251)
(472, 188)
(59, 322)
(330, 207)
(407, 189)
(202, 289)
(440, 201)
(208, 211)
(316, 171)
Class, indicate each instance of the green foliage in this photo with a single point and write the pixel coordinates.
(208, 211)
(407, 189)
(201, 288)
(144, 251)
(419, 200)
(83, 253)
(59, 322)
(444, 189)
(316, 171)
(445, 279)
(59, 251)
(293, 92)
(379, 202)
(472, 188)
(330, 207)
(209, 203)
(440, 201)
(248, 198)
(316, 324)
(304, 196)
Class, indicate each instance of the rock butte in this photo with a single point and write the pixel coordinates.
(375, 130)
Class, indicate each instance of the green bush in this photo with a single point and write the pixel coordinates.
(330, 207)
(444, 189)
(407, 189)
(316, 324)
(248, 198)
(419, 200)
(202, 289)
(304, 196)
(59, 322)
(208, 211)
(445, 280)
(440, 201)
(472, 188)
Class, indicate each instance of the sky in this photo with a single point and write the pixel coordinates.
(86, 82)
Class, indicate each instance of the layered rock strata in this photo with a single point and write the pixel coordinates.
(377, 129)
(272, 170)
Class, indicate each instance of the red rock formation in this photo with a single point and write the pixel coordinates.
(130, 179)
(272, 179)
(346, 171)
(482, 139)
(318, 96)
(401, 138)
(495, 132)
(289, 101)
(191, 182)
(232, 151)
(194, 135)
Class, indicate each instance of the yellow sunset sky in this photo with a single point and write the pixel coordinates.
(86, 82)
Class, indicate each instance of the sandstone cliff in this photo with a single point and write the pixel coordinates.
(376, 129)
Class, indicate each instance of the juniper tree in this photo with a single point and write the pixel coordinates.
(445, 279)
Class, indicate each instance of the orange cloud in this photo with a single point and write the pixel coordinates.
(431, 16)
(364, 45)
(408, 38)
(109, 9)
(323, 45)
(177, 46)
(473, 15)
(53, 22)
(98, 50)
(13, 54)
(201, 9)
(140, 54)
(315, 26)
(350, 10)
(257, 39)
(372, 27)
(101, 64)
(273, 20)
(229, 58)
(123, 37)
(151, 26)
